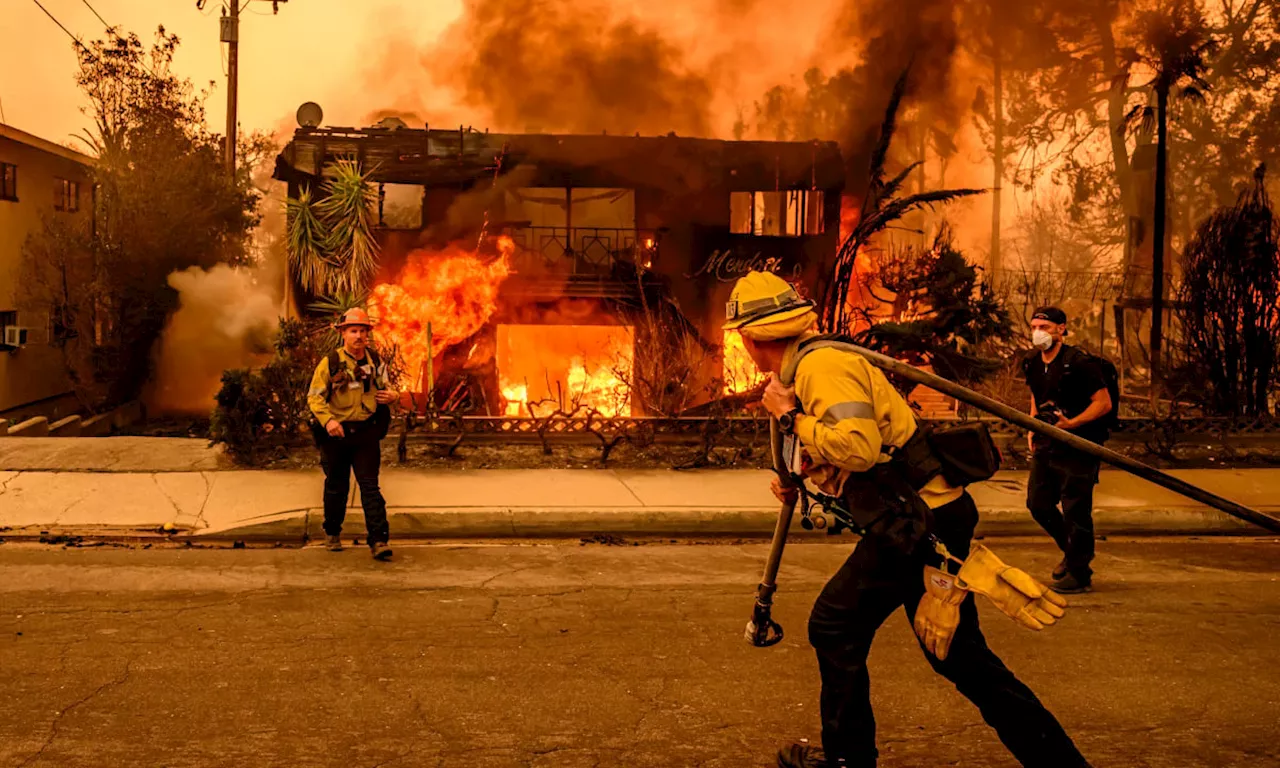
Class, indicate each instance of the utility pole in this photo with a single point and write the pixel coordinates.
(230, 34)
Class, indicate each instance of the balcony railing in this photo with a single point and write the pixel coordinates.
(581, 250)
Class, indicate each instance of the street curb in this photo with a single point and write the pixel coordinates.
(409, 523)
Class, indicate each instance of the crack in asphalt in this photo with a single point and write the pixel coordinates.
(57, 720)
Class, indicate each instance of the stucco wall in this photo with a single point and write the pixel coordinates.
(35, 372)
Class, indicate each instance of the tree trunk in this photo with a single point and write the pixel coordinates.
(1157, 252)
(997, 159)
(1116, 99)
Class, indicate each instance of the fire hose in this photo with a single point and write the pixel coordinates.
(762, 631)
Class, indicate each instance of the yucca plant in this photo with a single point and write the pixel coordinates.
(332, 249)
(348, 209)
(306, 237)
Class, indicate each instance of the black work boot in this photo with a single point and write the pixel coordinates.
(1060, 572)
(805, 756)
(333, 543)
(381, 550)
(1071, 585)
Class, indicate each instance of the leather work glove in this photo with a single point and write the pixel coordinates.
(1017, 594)
(938, 613)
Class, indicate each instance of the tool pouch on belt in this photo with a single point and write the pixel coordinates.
(884, 501)
(966, 453)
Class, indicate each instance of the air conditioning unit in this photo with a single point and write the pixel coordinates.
(15, 337)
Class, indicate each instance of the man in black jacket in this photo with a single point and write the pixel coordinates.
(1069, 391)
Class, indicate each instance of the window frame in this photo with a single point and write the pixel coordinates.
(67, 196)
(796, 208)
(5, 194)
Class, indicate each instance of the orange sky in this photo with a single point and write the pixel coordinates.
(278, 68)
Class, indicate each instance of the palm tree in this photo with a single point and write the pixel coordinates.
(881, 207)
(1173, 44)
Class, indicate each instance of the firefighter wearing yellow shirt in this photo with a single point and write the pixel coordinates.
(851, 423)
(350, 399)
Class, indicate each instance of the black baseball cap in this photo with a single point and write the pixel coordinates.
(1052, 314)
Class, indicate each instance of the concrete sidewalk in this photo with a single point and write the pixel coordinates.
(286, 505)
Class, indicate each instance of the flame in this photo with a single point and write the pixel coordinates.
(455, 290)
(849, 212)
(591, 365)
(740, 371)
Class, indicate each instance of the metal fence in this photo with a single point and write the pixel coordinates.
(691, 430)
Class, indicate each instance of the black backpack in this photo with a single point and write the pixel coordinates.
(1110, 378)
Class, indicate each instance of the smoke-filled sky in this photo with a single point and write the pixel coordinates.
(586, 66)
(314, 50)
(683, 65)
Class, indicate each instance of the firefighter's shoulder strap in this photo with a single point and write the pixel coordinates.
(826, 341)
(813, 344)
(963, 454)
(335, 363)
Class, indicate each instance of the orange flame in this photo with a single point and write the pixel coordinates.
(586, 367)
(740, 371)
(454, 290)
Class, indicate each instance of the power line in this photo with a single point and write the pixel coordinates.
(74, 39)
(95, 13)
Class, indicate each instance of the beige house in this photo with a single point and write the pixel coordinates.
(38, 179)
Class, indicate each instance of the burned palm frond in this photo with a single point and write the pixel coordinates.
(881, 207)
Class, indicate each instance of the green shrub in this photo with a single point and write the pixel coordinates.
(263, 411)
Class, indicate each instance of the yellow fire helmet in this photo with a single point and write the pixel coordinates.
(763, 298)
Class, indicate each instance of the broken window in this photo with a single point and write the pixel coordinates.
(784, 213)
(400, 205)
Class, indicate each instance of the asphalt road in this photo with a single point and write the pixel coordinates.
(590, 655)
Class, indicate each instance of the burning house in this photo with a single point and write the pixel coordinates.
(520, 273)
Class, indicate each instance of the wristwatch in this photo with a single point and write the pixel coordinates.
(787, 421)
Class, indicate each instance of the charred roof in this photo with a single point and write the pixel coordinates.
(460, 157)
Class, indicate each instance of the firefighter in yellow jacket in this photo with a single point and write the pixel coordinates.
(350, 398)
(860, 444)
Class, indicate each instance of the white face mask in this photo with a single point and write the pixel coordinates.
(1042, 339)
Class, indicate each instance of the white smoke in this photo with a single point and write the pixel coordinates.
(227, 318)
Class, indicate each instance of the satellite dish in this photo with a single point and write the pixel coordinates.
(310, 115)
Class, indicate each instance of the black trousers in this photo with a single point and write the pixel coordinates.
(359, 451)
(870, 586)
(1066, 477)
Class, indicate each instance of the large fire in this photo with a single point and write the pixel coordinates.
(739, 371)
(455, 290)
(574, 368)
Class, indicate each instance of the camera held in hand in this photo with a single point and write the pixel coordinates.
(1049, 413)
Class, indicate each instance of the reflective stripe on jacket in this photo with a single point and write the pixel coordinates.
(851, 413)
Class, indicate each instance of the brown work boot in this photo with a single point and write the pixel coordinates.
(333, 543)
(1060, 571)
(381, 550)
